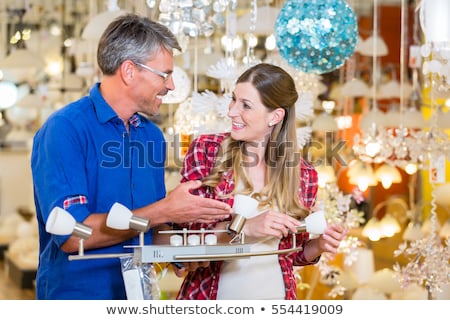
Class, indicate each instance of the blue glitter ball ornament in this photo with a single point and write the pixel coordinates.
(316, 36)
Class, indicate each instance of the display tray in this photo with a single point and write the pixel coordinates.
(22, 277)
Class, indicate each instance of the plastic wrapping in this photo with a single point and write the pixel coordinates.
(140, 279)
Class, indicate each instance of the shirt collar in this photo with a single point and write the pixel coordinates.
(104, 111)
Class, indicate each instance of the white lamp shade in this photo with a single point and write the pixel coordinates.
(325, 175)
(22, 59)
(8, 94)
(442, 195)
(245, 206)
(119, 217)
(388, 175)
(355, 88)
(324, 122)
(435, 20)
(316, 222)
(176, 240)
(95, 27)
(374, 116)
(413, 118)
(371, 49)
(413, 232)
(60, 222)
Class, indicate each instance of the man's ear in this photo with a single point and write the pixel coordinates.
(127, 70)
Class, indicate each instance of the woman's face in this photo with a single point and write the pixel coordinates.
(250, 118)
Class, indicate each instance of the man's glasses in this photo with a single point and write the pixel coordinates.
(164, 75)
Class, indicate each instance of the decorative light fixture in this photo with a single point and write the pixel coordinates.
(388, 175)
(61, 222)
(387, 226)
(121, 218)
(362, 175)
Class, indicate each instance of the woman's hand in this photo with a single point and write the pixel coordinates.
(270, 223)
(329, 242)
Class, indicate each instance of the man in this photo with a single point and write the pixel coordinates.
(99, 150)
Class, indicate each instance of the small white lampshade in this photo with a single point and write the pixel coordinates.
(316, 223)
(435, 20)
(210, 239)
(176, 240)
(193, 240)
(8, 94)
(119, 217)
(60, 222)
(245, 206)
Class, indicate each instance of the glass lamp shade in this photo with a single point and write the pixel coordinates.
(413, 118)
(245, 206)
(363, 177)
(315, 223)
(435, 20)
(325, 175)
(60, 222)
(371, 118)
(355, 88)
(442, 195)
(119, 217)
(388, 175)
(8, 94)
(324, 122)
(371, 49)
(95, 27)
(413, 232)
(389, 226)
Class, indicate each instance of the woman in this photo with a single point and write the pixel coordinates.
(259, 157)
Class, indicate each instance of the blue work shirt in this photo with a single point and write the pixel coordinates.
(84, 149)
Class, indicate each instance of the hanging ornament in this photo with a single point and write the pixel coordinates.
(316, 36)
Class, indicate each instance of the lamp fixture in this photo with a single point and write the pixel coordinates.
(388, 175)
(61, 222)
(121, 218)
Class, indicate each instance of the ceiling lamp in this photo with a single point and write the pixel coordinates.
(324, 122)
(354, 88)
(367, 47)
(8, 94)
(362, 175)
(325, 175)
(98, 23)
(388, 175)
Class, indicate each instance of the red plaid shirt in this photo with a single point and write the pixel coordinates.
(203, 283)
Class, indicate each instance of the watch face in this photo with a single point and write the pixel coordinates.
(182, 87)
